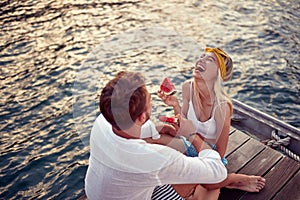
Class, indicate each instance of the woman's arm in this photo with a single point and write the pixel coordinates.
(173, 101)
(223, 118)
(170, 100)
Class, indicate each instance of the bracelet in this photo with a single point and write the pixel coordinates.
(189, 136)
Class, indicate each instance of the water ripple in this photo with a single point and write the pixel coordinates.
(45, 45)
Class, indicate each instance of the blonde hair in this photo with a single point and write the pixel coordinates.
(220, 93)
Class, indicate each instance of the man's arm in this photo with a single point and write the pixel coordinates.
(197, 142)
(206, 168)
(170, 141)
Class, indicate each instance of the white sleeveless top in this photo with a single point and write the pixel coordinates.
(206, 129)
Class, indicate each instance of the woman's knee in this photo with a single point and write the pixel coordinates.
(201, 193)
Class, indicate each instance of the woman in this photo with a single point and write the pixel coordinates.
(207, 105)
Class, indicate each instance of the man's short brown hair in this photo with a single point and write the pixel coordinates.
(124, 99)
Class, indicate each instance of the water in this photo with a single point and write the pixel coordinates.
(56, 55)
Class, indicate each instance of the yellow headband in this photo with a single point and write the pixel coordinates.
(218, 53)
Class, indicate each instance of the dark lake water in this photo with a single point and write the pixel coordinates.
(56, 55)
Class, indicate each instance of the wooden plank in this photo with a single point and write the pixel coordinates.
(231, 194)
(259, 166)
(232, 129)
(262, 163)
(236, 139)
(276, 178)
(291, 189)
(243, 155)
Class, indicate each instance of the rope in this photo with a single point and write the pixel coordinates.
(281, 142)
(277, 141)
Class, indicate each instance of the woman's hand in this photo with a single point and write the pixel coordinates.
(169, 100)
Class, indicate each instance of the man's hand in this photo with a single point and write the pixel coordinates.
(186, 126)
(166, 129)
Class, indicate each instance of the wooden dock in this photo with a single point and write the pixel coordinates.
(248, 156)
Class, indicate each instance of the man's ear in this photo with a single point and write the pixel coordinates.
(142, 118)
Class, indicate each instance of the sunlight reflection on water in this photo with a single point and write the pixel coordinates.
(44, 45)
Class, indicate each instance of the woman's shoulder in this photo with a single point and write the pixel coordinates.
(186, 88)
(222, 107)
(186, 84)
(223, 104)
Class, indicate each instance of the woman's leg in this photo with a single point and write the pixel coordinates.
(243, 182)
(203, 194)
(247, 183)
(185, 190)
(196, 192)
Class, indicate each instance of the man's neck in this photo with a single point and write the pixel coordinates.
(133, 132)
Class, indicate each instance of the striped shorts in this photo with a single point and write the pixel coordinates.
(165, 192)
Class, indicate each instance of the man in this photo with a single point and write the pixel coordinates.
(121, 165)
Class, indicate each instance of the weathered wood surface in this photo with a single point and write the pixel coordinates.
(248, 156)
